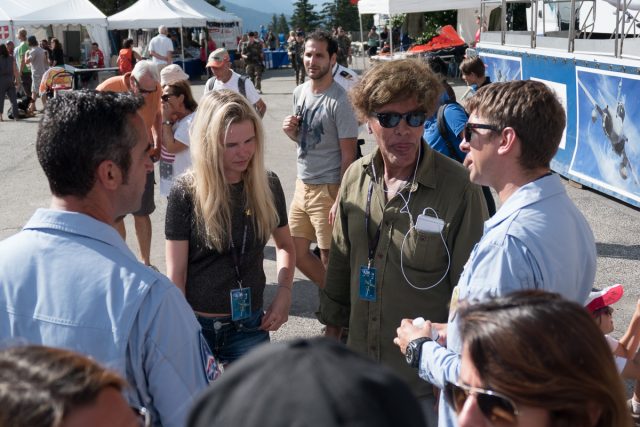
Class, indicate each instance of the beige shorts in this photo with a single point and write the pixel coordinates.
(309, 213)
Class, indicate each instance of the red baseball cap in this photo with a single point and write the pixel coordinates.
(604, 298)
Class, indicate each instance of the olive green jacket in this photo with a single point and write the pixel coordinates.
(441, 184)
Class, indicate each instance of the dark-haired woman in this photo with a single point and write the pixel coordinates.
(9, 79)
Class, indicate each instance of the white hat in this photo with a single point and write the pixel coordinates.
(172, 74)
(604, 298)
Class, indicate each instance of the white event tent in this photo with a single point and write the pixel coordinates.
(201, 7)
(153, 13)
(467, 10)
(59, 14)
(393, 7)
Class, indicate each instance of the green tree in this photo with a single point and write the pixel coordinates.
(304, 16)
(216, 3)
(273, 25)
(434, 21)
(340, 13)
(283, 25)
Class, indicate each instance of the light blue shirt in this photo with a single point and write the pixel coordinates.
(538, 239)
(68, 280)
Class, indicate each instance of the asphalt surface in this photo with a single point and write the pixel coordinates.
(616, 226)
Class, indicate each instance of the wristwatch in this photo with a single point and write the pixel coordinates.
(167, 122)
(414, 350)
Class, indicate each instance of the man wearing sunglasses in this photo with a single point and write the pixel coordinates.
(383, 265)
(143, 80)
(538, 239)
(325, 130)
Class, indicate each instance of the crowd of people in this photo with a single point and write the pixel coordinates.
(513, 333)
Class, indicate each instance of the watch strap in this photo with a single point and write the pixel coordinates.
(416, 351)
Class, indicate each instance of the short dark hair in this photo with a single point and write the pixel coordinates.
(40, 386)
(531, 109)
(251, 34)
(94, 44)
(324, 36)
(473, 65)
(32, 41)
(80, 130)
(127, 43)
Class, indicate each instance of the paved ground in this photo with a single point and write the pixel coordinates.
(615, 225)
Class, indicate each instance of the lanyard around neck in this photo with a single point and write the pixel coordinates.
(238, 260)
(371, 243)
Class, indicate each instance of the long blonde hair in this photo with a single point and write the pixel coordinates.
(217, 111)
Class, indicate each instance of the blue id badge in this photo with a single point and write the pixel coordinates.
(240, 303)
(367, 283)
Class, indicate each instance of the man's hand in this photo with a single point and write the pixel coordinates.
(407, 333)
(290, 126)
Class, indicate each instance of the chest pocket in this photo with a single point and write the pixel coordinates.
(424, 257)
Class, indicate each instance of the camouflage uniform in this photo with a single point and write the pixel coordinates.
(253, 62)
(296, 51)
(344, 46)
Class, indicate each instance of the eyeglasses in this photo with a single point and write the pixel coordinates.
(469, 126)
(603, 310)
(141, 90)
(143, 416)
(494, 406)
(390, 120)
(165, 97)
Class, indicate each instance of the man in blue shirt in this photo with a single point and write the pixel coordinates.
(537, 240)
(68, 279)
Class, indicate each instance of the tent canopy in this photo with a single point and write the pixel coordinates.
(53, 12)
(153, 13)
(202, 8)
(393, 7)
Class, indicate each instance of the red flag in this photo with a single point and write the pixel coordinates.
(353, 2)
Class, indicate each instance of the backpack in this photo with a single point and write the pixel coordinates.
(241, 85)
(125, 61)
(442, 129)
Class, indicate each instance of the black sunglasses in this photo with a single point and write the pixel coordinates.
(494, 406)
(390, 120)
(469, 126)
(603, 310)
(141, 89)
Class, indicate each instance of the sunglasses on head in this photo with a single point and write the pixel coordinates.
(494, 406)
(469, 126)
(390, 120)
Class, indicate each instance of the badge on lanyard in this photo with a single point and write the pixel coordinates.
(367, 289)
(240, 297)
(240, 303)
(367, 285)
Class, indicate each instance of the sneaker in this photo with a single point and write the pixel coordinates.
(634, 415)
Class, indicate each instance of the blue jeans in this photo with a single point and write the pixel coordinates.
(230, 340)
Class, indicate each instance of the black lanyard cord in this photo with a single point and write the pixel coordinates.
(238, 260)
(372, 243)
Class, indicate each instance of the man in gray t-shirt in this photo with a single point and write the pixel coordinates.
(325, 129)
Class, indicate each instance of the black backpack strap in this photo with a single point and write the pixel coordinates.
(241, 85)
(442, 128)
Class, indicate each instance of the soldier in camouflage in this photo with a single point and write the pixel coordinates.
(254, 60)
(344, 47)
(296, 51)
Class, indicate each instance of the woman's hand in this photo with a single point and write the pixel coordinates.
(278, 312)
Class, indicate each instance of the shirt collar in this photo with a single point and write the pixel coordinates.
(79, 224)
(528, 194)
(425, 175)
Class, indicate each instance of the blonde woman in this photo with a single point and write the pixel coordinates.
(220, 216)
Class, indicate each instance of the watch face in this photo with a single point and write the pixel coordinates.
(409, 354)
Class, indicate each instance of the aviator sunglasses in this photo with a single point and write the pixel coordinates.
(494, 406)
(390, 120)
(469, 126)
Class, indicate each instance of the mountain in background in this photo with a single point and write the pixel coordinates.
(251, 18)
(270, 6)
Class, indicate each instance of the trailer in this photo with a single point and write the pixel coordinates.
(588, 52)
